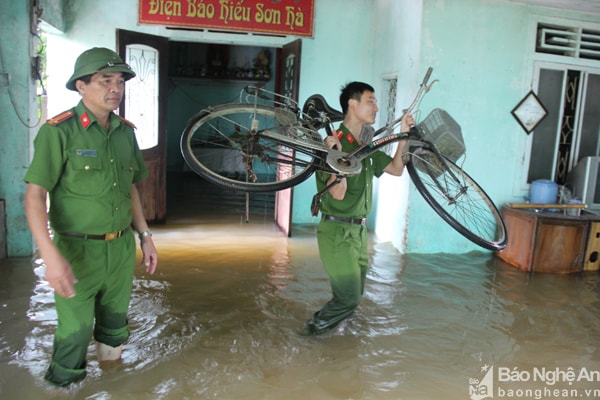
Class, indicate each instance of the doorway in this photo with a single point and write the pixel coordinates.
(201, 75)
(197, 76)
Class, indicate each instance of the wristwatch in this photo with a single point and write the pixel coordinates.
(142, 235)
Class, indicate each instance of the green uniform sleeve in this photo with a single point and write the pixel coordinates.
(49, 158)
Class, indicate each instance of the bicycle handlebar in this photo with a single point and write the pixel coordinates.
(427, 76)
(423, 88)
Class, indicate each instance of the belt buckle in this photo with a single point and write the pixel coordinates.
(111, 235)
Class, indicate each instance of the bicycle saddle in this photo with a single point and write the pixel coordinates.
(316, 107)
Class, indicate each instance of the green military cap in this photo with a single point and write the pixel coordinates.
(98, 59)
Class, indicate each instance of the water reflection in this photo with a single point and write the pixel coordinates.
(221, 320)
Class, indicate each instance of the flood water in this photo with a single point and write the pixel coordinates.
(221, 319)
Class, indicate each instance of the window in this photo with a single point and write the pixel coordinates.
(574, 42)
(571, 129)
(388, 107)
(568, 85)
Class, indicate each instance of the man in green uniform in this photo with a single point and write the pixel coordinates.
(87, 161)
(342, 232)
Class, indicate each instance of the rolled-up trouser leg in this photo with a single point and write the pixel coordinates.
(101, 269)
(112, 301)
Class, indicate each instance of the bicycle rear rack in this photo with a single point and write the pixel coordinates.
(259, 95)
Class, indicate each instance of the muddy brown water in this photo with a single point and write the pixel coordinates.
(221, 320)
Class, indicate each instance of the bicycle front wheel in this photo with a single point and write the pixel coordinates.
(457, 198)
(228, 145)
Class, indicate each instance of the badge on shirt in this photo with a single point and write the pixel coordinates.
(85, 120)
(349, 136)
(86, 153)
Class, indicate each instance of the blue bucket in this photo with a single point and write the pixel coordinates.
(543, 191)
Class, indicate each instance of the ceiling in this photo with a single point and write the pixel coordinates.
(586, 6)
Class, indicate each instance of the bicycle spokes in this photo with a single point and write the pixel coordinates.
(457, 198)
(230, 145)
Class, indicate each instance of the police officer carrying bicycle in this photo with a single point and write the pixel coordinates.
(342, 232)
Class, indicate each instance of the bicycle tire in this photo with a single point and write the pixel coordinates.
(225, 146)
(472, 213)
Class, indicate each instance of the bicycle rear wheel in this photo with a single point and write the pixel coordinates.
(457, 198)
(227, 145)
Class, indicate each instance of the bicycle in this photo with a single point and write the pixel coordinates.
(256, 147)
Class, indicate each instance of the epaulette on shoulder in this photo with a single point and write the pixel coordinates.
(63, 116)
(128, 122)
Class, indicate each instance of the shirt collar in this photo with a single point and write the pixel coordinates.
(87, 118)
(344, 132)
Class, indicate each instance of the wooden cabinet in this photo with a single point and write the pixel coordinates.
(550, 242)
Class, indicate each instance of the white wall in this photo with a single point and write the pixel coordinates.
(397, 26)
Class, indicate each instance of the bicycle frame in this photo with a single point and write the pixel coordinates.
(343, 164)
(335, 161)
(281, 144)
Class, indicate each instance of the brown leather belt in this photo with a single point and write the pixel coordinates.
(106, 236)
(348, 220)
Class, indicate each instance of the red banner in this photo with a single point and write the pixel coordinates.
(282, 17)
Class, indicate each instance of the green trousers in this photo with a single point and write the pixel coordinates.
(104, 273)
(343, 249)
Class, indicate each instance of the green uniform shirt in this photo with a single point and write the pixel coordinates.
(357, 202)
(87, 171)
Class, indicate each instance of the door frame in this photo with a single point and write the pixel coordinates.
(287, 85)
(153, 193)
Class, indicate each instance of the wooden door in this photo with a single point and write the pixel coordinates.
(145, 106)
(288, 79)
